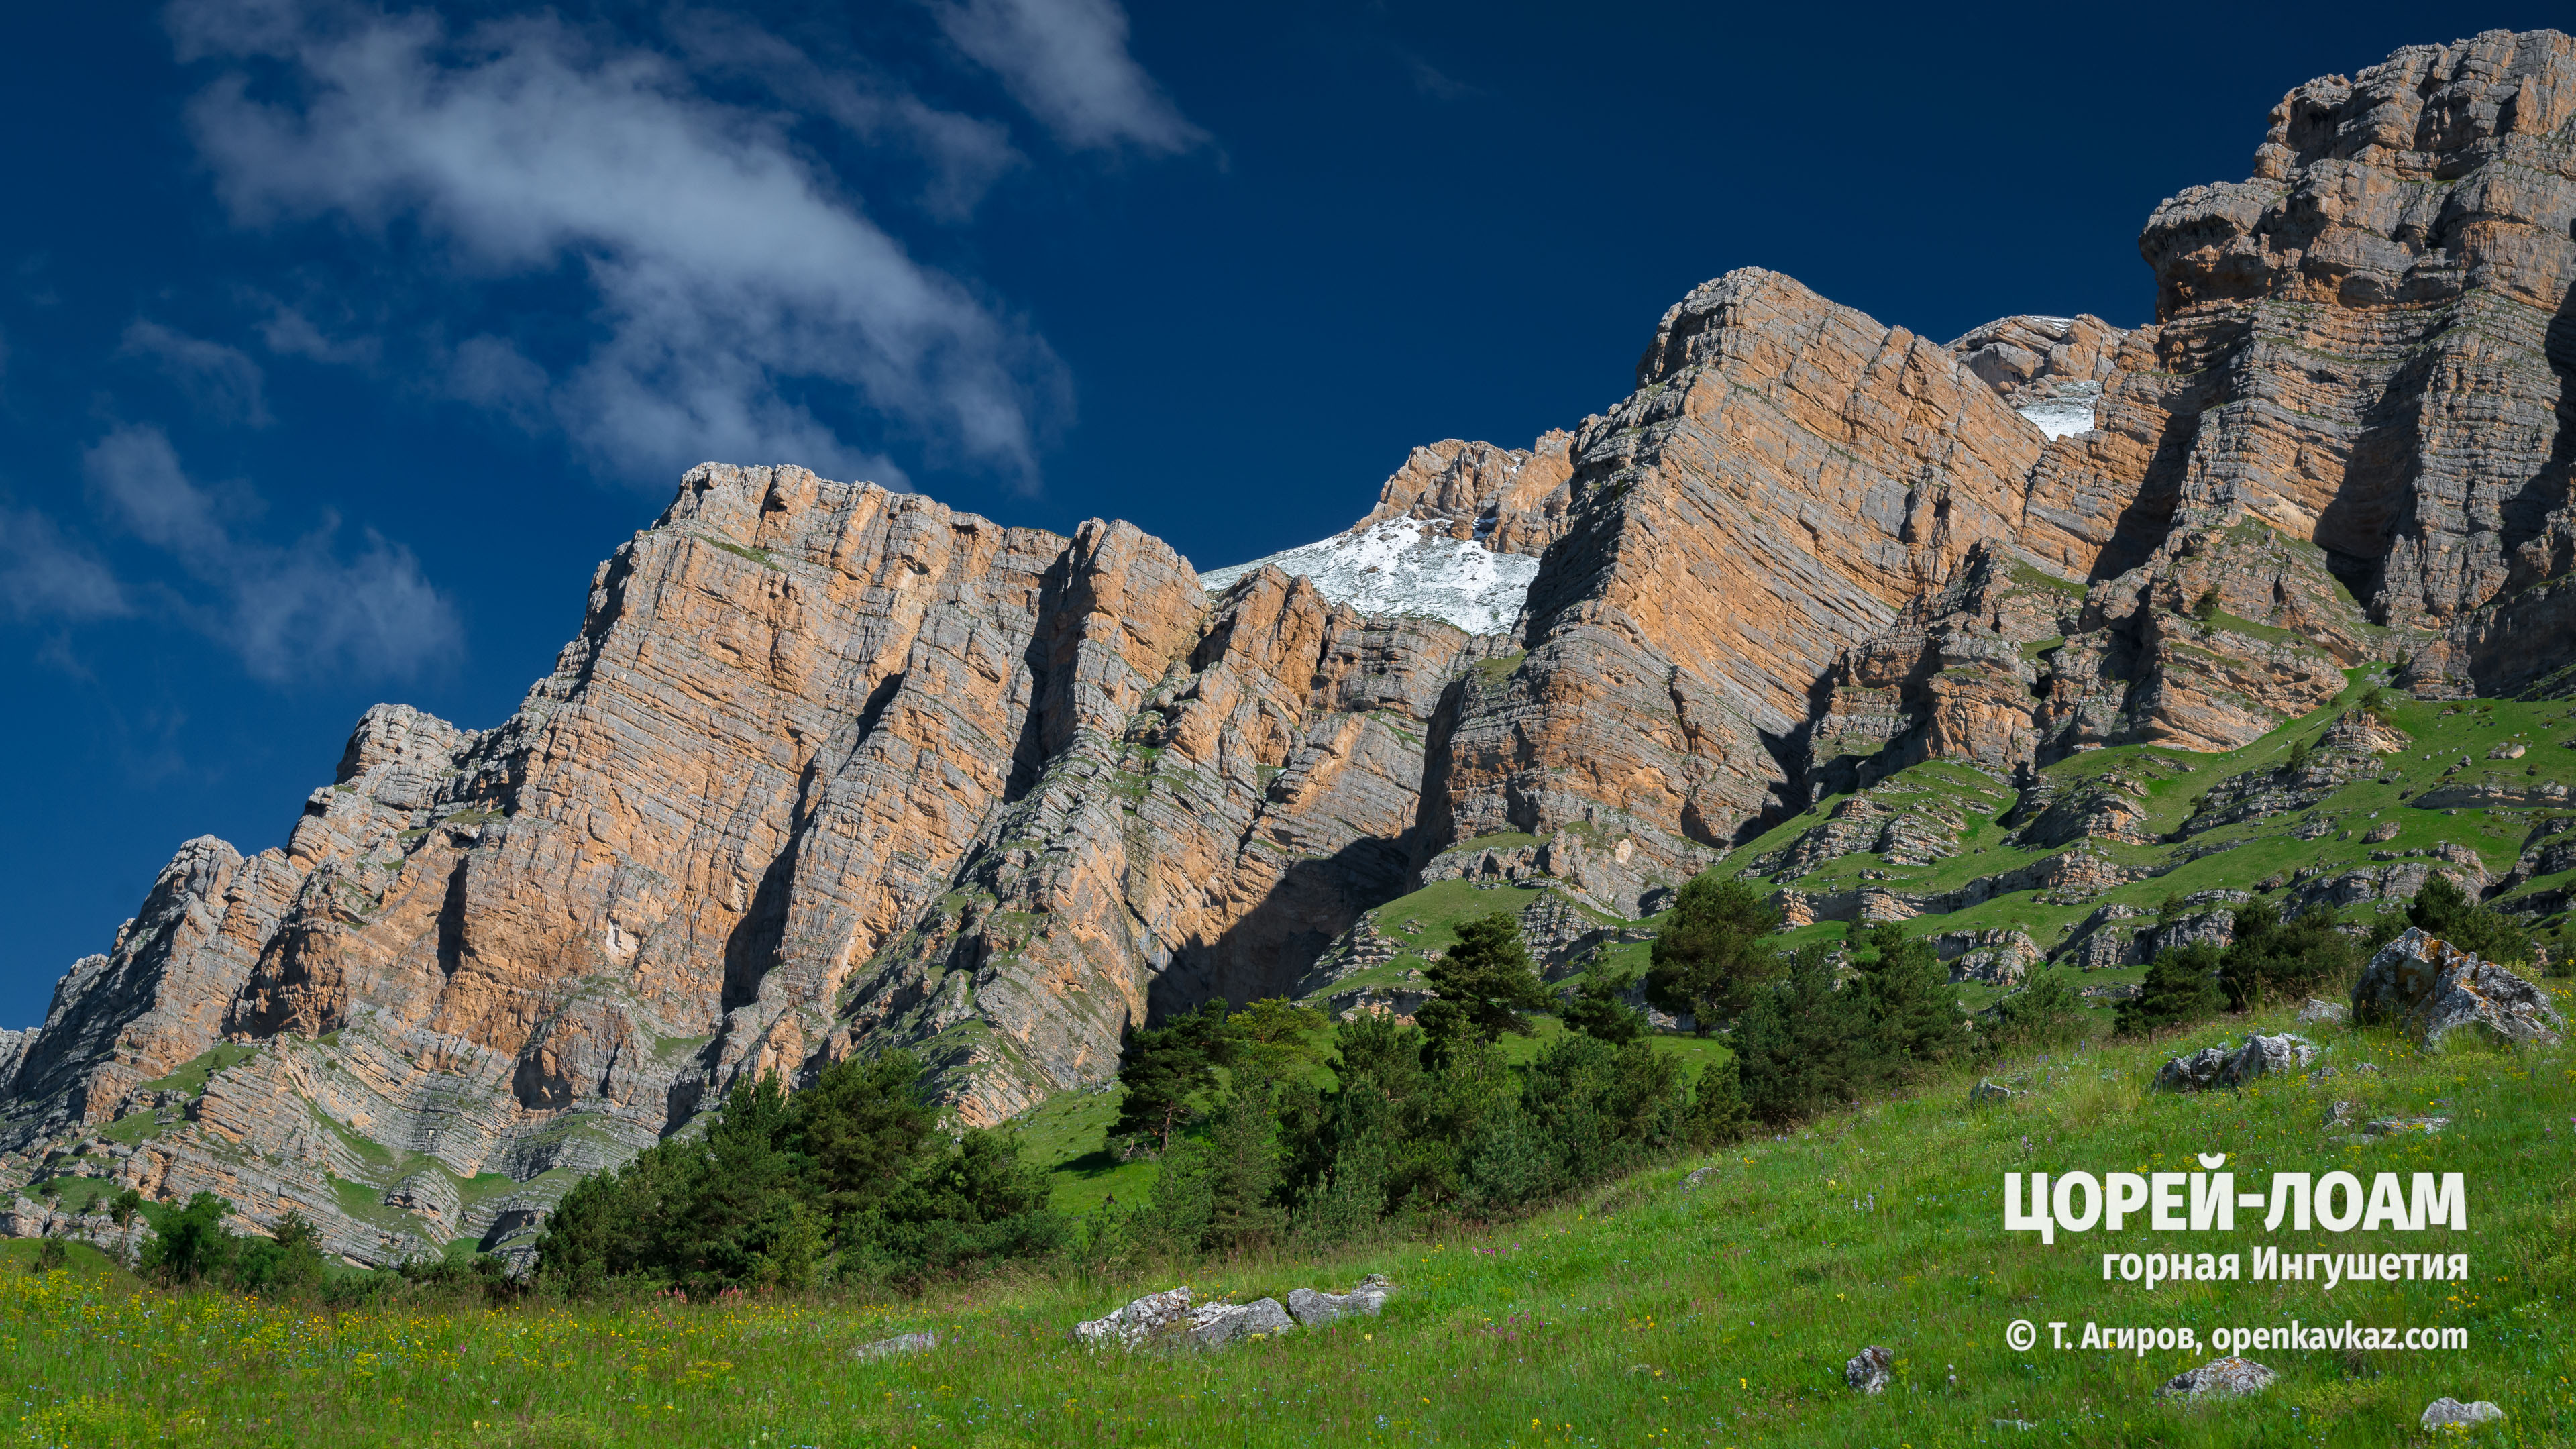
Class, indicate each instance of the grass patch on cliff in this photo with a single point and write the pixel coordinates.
(1641, 1313)
(191, 1076)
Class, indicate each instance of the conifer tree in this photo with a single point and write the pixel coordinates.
(1804, 1045)
(1600, 1008)
(2181, 988)
(1709, 960)
(1913, 1009)
(1486, 983)
(1716, 1115)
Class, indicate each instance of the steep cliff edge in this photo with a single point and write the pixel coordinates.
(829, 769)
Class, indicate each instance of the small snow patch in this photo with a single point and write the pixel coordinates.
(1402, 566)
(2069, 412)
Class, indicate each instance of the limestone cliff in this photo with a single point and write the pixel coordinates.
(829, 769)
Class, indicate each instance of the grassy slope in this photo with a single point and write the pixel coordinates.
(1645, 1314)
(2174, 779)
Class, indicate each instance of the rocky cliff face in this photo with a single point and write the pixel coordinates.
(830, 769)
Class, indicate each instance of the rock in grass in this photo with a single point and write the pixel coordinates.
(1155, 1313)
(1987, 1090)
(2221, 1066)
(1217, 1324)
(1698, 1176)
(2432, 990)
(2331, 1013)
(2220, 1378)
(1314, 1309)
(2403, 1126)
(901, 1343)
(2444, 1412)
(1868, 1369)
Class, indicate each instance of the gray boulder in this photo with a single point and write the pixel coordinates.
(1314, 1310)
(2430, 990)
(1155, 1313)
(1218, 1324)
(1868, 1369)
(2226, 1066)
(2220, 1378)
(2445, 1412)
(2331, 1013)
(1987, 1090)
(901, 1343)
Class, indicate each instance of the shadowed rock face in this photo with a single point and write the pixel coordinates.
(830, 769)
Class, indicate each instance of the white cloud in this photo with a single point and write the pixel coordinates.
(1067, 61)
(965, 154)
(289, 612)
(729, 277)
(44, 575)
(222, 381)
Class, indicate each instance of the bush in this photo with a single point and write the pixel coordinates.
(2442, 909)
(2045, 1012)
(193, 1244)
(2205, 608)
(2273, 960)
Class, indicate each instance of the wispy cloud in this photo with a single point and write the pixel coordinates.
(731, 279)
(222, 381)
(1429, 80)
(288, 612)
(1067, 62)
(45, 575)
(964, 154)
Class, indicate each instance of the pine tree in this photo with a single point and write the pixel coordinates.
(1161, 1068)
(1709, 960)
(2444, 910)
(1716, 1116)
(2181, 988)
(2045, 1012)
(1600, 1007)
(1804, 1045)
(1487, 981)
(1913, 1009)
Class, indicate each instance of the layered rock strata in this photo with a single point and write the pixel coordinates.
(830, 769)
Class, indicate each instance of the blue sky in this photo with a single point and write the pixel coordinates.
(338, 343)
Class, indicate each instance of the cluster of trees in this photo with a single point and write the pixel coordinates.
(849, 1179)
(2270, 959)
(1259, 1146)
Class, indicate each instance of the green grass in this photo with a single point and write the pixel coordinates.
(191, 1077)
(1641, 1314)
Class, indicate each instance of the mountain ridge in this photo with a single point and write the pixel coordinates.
(829, 768)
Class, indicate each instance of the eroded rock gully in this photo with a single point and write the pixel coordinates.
(829, 769)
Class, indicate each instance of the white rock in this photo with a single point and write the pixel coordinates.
(2445, 1411)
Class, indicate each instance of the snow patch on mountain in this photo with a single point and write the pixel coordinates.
(2068, 412)
(1404, 566)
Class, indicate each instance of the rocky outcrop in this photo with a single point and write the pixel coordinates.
(2431, 991)
(1506, 499)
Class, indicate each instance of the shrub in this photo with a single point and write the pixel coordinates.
(2443, 909)
(2045, 1012)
